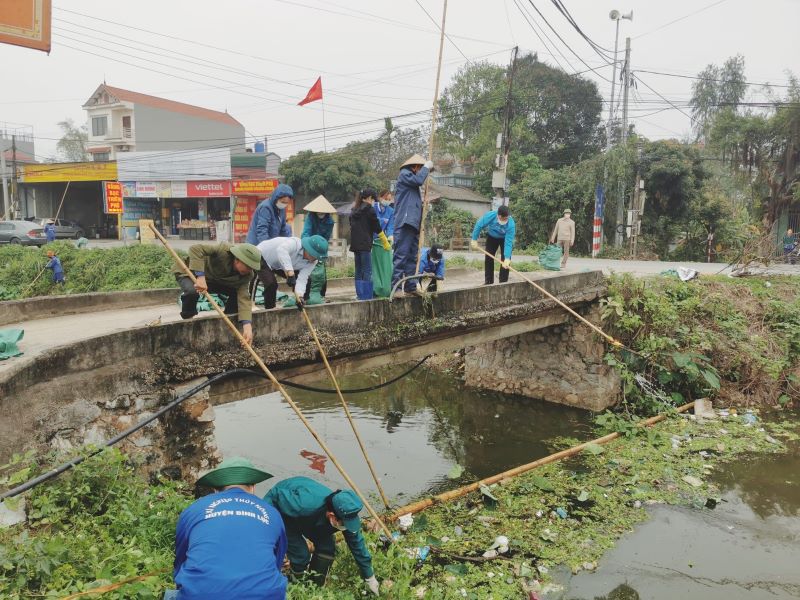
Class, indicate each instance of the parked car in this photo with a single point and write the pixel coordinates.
(64, 228)
(22, 232)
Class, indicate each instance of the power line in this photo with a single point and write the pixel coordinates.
(439, 28)
(660, 27)
(696, 77)
(528, 19)
(599, 50)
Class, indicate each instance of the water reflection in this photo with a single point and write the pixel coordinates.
(415, 431)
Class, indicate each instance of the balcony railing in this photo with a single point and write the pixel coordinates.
(127, 132)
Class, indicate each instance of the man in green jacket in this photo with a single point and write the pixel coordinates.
(314, 512)
(223, 269)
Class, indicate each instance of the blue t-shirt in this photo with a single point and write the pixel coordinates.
(230, 545)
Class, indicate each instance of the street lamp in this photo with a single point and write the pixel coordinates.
(614, 15)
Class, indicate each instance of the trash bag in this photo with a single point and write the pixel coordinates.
(381, 270)
(550, 257)
(8, 342)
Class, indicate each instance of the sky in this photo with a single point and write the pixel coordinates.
(377, 58)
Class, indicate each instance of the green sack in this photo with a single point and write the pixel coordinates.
(381, 270)
(8, 343)
(550, 257)
(316, 282)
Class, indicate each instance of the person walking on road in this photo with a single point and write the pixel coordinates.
(318, 222)
(314, 512)
(564, 235)
(500, 232)
(382, 259)
(408, 219)
(364, 225)
(230, 544)
(224, 269)
(290, 258)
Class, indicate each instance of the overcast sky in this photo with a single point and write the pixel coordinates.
(376, 57)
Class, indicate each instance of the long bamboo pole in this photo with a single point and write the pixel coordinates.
(611, 339)
(434, 114)
(463, 491)
(324, 356)
(39, 274)
(275, 382)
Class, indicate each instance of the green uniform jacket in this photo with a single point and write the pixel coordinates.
(301, 502)
(216, 261)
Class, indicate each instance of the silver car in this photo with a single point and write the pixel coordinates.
(22, 232)
(65, 229)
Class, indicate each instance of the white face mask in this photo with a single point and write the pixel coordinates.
(385, 203)
(281, 205)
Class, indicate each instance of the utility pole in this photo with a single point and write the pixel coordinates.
(500, 174)
(6, 203)
(14, 189)
(618, 238)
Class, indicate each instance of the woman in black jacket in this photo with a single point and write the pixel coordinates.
(363, 225)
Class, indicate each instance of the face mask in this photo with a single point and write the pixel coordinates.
(385, 203)
(322, 215)
(281, 205)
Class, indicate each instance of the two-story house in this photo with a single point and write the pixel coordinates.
(124, 121)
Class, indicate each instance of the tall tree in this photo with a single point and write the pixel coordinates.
(388, 151)
(337, 175)
(717, 89)
(72, 145)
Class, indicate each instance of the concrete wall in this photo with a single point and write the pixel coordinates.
(562, 364)
(154, 124)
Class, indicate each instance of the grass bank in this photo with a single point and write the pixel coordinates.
(103, 524)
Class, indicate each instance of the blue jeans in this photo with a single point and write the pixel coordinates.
(363, 265)
(170, 594)
(406, 242)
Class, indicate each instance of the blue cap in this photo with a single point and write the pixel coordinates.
(346, 506)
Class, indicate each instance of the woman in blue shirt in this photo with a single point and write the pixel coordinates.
(500, 232)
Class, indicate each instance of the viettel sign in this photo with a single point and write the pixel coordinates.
(208, 189)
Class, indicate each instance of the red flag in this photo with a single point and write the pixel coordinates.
(315, 93)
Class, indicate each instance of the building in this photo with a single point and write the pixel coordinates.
(16, 147)
(121, 121)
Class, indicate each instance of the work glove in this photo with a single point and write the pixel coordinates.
(384, 241)
(373, 585)
(291, 281)
(299, 303)
(429, 165)
(474, 244)
(506, 263)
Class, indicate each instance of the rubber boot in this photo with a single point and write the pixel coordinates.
(319, 567)
(369, 290)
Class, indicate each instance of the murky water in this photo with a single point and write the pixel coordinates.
(415, 431)
(748, 547)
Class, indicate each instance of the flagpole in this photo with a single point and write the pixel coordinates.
(324, 141)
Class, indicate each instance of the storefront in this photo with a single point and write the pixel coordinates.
(247, 194)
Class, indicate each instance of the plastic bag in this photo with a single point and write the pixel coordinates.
(550, 258)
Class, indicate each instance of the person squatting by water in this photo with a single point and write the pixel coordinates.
(222, 269)
(290, 258)
(564, 235)
(54, 263)
(231, 543)
(432, 263)
(364, 225)
(500, 232)
(314, 512)
(318, 221)
(408, 219)
(381, 258)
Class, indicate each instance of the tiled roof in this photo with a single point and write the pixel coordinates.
(450, 192)
(21, 156)
(170, 105)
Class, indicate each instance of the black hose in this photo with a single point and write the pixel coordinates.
(214, 378)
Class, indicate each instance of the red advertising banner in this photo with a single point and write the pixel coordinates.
(254, 187)
(208, 189)
(112, 197)
(242, 215)
(26, 23)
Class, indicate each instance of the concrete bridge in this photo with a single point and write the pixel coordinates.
(515, 340)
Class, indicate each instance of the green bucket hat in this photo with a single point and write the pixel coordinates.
(248, 254)
(316, 246)
(233, 471)
(346, 506)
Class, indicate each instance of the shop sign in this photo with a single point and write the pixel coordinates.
(177, 189)
(146, 189)
(254, 187)
(26, 23)
(242, 215)
(112, 197)
(84, 171)
(208, 189)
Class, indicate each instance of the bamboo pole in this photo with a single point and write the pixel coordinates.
(275, 382)
(39, 274)
(434, 114)
(324, 356)
(611, 340)
(463, 491)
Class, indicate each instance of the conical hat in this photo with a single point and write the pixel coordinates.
(414, 160)
(320, 204)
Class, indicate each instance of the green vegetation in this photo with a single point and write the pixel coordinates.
(135, 267)
(731, 339)
(101, 523)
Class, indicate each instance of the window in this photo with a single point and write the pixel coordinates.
(99, 156)
(99, 126)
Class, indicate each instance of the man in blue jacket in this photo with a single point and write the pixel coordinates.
(314, 512)
(432, 262)
(269, 218)
(230, 544)
(408, 219)
(500, 231)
